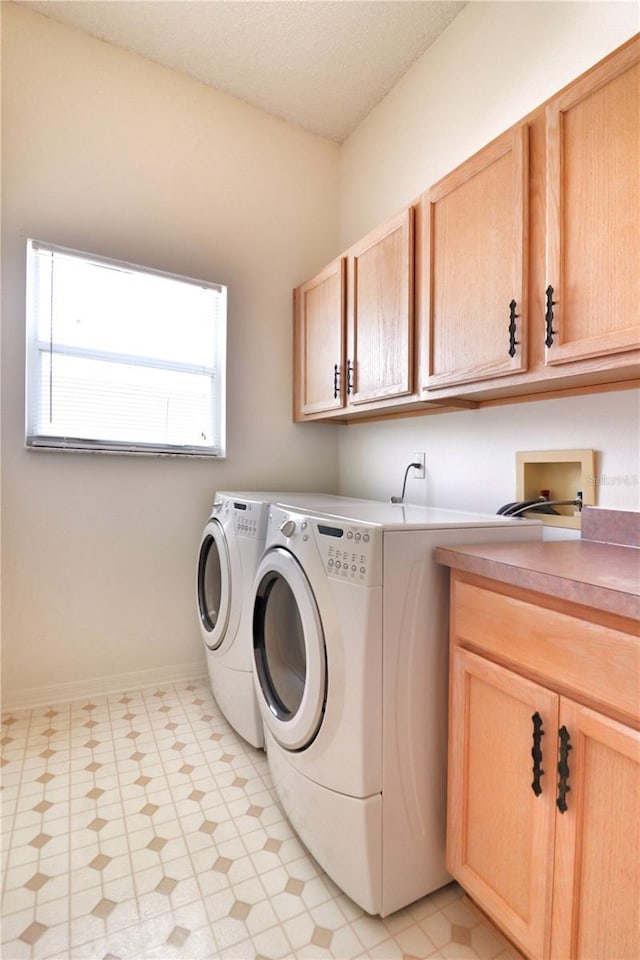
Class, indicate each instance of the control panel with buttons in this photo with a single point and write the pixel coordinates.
(351, 552)
(249, 520)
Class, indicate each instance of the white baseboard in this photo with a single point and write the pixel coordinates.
(97, 686)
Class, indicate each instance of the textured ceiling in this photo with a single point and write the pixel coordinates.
(322, 64)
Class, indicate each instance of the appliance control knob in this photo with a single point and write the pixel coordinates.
(288, 528)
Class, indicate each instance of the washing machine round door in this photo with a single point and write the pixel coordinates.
(214, 584)
(289, 651)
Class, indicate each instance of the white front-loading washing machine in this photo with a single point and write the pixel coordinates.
(230, 549)
(350, 637)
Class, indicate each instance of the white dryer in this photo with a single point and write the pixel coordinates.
(230, 549)
(350, 643)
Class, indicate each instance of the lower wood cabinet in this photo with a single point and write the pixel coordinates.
(596, 903)
(499, 834)
(544, 791)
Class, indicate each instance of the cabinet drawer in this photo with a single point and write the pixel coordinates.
(591, 661)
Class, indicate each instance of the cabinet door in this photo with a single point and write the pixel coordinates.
(596, 907)
(319, 311)
(380, 313)
(593, 213)
(474, 274)
(499, 832)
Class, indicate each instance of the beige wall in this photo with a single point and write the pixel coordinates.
(107, 152)
(470, 455)
(494, 64)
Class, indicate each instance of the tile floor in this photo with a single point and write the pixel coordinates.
(139, 825)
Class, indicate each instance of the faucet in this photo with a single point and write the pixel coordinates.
(537, 505)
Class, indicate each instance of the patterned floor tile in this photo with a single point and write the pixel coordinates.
(138, 825)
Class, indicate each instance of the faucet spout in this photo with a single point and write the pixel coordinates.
(538, 505)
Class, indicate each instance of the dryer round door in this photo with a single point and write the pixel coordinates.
(289, 651)
(214, 584)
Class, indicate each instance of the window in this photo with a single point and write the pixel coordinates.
(121, 357)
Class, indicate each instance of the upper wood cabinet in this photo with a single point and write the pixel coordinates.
(380, 313)
(353, 327)
(544, 221)
(318, 330)
(475, 251)
(526, 277)
(593, 213)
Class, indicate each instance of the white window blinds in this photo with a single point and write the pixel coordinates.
(122, 358)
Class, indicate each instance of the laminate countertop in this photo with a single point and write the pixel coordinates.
(603, 576)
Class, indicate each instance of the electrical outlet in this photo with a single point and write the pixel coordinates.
(418, 473)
